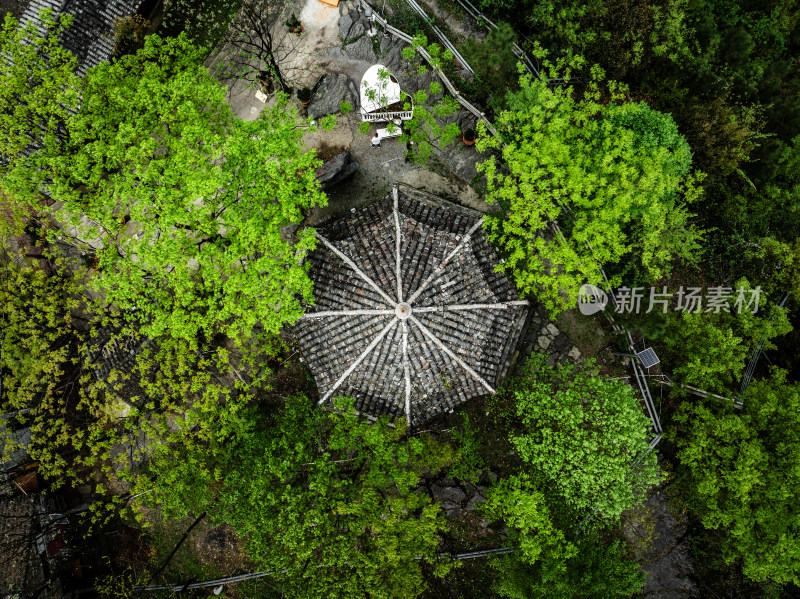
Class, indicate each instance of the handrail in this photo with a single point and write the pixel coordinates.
(450, 87)
(371, 117)
(447, 43)
(518, 52)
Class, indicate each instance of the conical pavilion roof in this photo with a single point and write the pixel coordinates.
(410, 316)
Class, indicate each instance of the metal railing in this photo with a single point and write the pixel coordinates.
(518, 52)
(177, 588)
(374, 117)
(446, 42)
(445, 81)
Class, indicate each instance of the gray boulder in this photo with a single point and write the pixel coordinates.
(351, 26)
(336, 170)
(444, 494)
(329, 94)
(474, 501)
(362, 50)
(560, 343)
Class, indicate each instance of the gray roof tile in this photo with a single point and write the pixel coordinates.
(481, 340)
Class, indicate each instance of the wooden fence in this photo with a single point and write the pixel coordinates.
(518, 52)
(446, 42)
(177, 588)
(445, 81)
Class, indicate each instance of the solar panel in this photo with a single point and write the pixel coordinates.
(648, 357)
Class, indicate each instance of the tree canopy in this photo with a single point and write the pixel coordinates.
(185, 201)
(583, 435)
(326, 500)
(742, 472)
(585, 182)
(38, 89)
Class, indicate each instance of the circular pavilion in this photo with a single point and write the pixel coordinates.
(410, 317)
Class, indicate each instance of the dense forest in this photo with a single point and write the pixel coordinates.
(161, 432)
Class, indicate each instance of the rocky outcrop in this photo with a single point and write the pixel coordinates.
(330, 92)
(458, 498)
(351, 26)
(544, 337)
(336, 170)
(659, 542)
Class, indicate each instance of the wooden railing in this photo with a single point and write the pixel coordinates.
(374, 117)
(446, 42)
(518, 52)
(450, 87)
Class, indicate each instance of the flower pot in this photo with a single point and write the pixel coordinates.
(304, 95)
(468, 137)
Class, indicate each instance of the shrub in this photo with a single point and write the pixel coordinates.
(304, 94)
(129, 34)
(581, 434)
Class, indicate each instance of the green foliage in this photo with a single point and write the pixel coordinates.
(470, 463)
(345, 107)
(612, 175)
(518, 502)
(707, 355)
(203, 21)
(728, 74)
(596, 571)
(325, 500)
(709, 350)
(582, 434)
(742, 475)
(304, 94)
(493, 61)
(155, 141)
(292, 22)
(38, 351)
(38, 88)
(191, 404)
(129, 34)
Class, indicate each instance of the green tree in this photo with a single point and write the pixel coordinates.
(577, 173)
(203, 21)
(91, 415)
(39, 350)
(709, 348)
(326, 500)
(584, 436)
(549, 562)
(38, 88)
(206, 194)
(597, 570)
(494, 63)
(522, 506)
(428, 129)
(742, 473)
(129, 34)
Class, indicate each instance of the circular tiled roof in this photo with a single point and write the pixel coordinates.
(410, 316)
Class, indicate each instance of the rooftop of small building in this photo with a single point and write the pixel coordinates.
(411, 319)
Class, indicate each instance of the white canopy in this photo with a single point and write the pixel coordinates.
(386, 89)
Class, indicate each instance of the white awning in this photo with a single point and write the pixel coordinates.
(386, 89)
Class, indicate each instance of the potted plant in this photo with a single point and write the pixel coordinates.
(469, 137)
(304, 95)
(294, 24)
